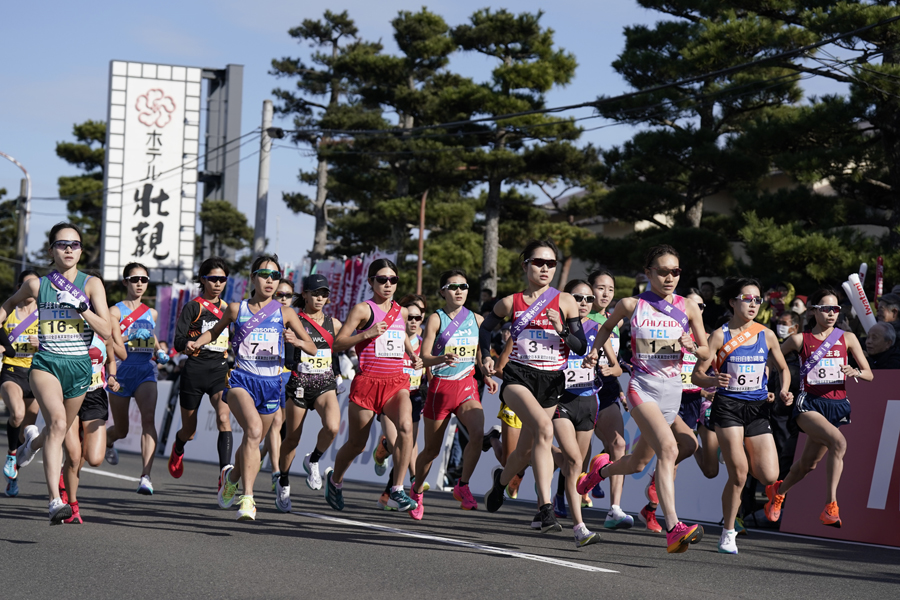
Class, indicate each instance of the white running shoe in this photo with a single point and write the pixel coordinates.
(112, 456)
(727, 543)
(25, 454)
(313, 479)
(283, 497)
(145, 488)
(59, 511)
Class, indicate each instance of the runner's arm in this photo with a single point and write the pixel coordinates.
(115, 340)
(775, 352)
(29, 289)
(97, 314)
(432, 327)
(793, 343)
(490, 322)
(292, 321)
(358, 316)
(624, 309)
(614, 368)
(701, 349)
(188, 314)
(701, 367)
(111, 353)
(230, 316)
(572, 331)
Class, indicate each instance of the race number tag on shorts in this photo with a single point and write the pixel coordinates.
(660, 344)
(298, 393)
(538, 345)
(63, 324)
(827, 372)
(602, 359)
(261, 346)
(390, 344)
(463, 347)
(745, 377)
(316, 364)
(577, 376)
(687, 369)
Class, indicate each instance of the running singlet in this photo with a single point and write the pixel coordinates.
(825, 379)
(463, 343)
(97, 352)
(262, 351)
(581, 381)
(415, 375)
(322, 361)
(539, 346)
(139, 350)
(688, 361)
(23, 347)
(61, 329)
(383, 356)
(197, 318)
(747, 367)
(656, 340)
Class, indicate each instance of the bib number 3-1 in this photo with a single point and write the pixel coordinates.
(538, 345)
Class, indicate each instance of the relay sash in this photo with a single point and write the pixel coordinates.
(133, 316)
(534, 310)
(736, 342)
(22, 326)
(322, 331)
(820, 352)
(452, 327)
(253, 322)
(666, 308)
(64, 284)
(209, 306)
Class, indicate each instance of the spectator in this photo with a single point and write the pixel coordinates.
(487, 301)
(713, 310)
(889, 310)
(799, 305)
(882, 347)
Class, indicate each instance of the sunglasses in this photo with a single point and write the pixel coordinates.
(702, 305)
(589, 298)
(676, 272)
(320, 293)
(284, 294)
(272, 274)
(827, 308)
(67, 244)
(383, 279)
(137, 279)
(749, 298)
(216, 278)
(416, 319)
(456, 286)
(542, 262)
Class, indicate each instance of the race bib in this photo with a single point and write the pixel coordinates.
(96, 380)
(142, 346)
(219, 344)
(24, 347)
(315, 364)
(658, 344)
(261, 346)
(538, 345)
(390, 344)
(463, 347)
(602, 359)
(415, 378)
(745, 377)
(578, 377)
(65, 324)
(687, 369)
(827, 372)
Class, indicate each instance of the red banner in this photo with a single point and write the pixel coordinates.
(869, 490)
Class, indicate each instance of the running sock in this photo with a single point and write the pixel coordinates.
(522, 474)
(223, 445)
(561, 485)
(670, 529)
(12, 437)
(179, 446)
(315, 455)
(397, 488)
(284, 480)
(74, 506)
(545, 508)
(462, 483)
(651, 506)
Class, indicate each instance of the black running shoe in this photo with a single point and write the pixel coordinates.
(549, 524)
(493, 433)
(493, 500)
(536, 521)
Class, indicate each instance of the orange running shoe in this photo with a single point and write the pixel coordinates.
(512, 489)
(830, 515)
(649, 518)
(773, 506)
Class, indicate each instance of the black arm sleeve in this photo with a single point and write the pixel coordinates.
(183, 325)
(575, 338)
(8, 350)
(484, 333)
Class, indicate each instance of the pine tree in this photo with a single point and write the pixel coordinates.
(84, 193)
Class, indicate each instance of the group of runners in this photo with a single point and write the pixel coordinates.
(690, 394)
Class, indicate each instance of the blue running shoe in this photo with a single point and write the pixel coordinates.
(559, 507)
(333, 495)
(10, 469)
(12, 488)
(401, 501)
(597, 492)
(616, 519)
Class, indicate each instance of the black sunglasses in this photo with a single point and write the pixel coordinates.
(382, 279)
(415, 319)
(320, 293)
(216, 278)
(676, 272)
(284, 294)
(66, 244)
(550, 263)
(456, 286)
(137, 279)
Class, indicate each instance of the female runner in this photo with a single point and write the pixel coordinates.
(822, 405)
(660, 324)
(71, 308)
(254, 385)
(136, 374)
(377, 328)
(740, 410)
(206, 370)
(284, 294)
(545, 328)
(450, 348)
(312, 386)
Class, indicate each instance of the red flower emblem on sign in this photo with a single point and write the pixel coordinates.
(155, 108)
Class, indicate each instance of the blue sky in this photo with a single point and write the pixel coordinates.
(56, 69)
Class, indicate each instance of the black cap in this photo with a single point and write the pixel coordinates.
(314, 282)
(891, 298)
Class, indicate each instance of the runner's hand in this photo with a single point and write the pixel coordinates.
(770, 397)
(449, 359)
(191, 348)
(417, 363)
(341, 385)
(491, 385)
(590, 361)
(67, 299)
(140, 334)
(291, 338)
(162, 358)
(605, 370)
(487, 366)
(114, 384)
(33, 340)
(553, 317)
(687, 343)
(787, 397)
(723, 378)
(375, 330)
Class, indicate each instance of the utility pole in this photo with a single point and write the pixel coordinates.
(421, 242)
(23, 206)
(262, 186)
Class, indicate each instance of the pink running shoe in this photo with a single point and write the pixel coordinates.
(62, 490)
(75, 519)
(419, 510)
(650, 490)
(464, 497)
(649, 518)
(586, 482)
(683, 536)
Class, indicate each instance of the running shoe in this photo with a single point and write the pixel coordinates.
(227, 490)
(549, 524)
(512, 489)
(401, 501)
(246, 509)
(585, 537)
(219, 485)
(412, 484)
(384, 501)
(586, 501)
(739, 526)
(112, 456)
(282, 497)
(773, 506)
(145, 488)
(463, 495)
(24, 455)
(720, 457)
(59, 511)
(12, 488)
(650, 490)
(417, 512)
(75, 519)
(176, 463)
(830, 515)
(598, 492)
(334, 496)
(536, 521)
(10, 469)
(559, 507)
(275, 478)
(493, 500)
(683, 536)
(314, 479)
(380, 454)
(62, 490)
(649, 518)
(493, 433)
(588, 481)
(617, 519)
(727, 543)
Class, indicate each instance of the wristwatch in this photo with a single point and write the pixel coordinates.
(81, 307)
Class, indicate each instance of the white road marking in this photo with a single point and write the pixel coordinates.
(453, 542)
(106, 473)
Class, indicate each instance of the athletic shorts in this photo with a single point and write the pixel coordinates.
(546, 386)
(609, 393)
(418, 403)
(665, 392)
(72, 372)
(131, 375)
(445, 396)
(372, 393)
(265, 391)
(581, 410)
(95, 406)
(507, 415)
(201, 377)
(689, 411)
(836, 411)
(19, 376)
(752, 415)
(303, 389)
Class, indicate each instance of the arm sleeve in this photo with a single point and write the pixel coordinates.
(575, 337)
(484, 333)
(184, 324)
(8, 350)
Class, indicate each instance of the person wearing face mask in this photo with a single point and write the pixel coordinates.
(881, 346)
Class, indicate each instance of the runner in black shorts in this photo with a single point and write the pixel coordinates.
(206, 371)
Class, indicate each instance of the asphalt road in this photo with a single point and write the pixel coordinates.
(179, 544)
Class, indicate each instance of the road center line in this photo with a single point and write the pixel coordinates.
(453, 542)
